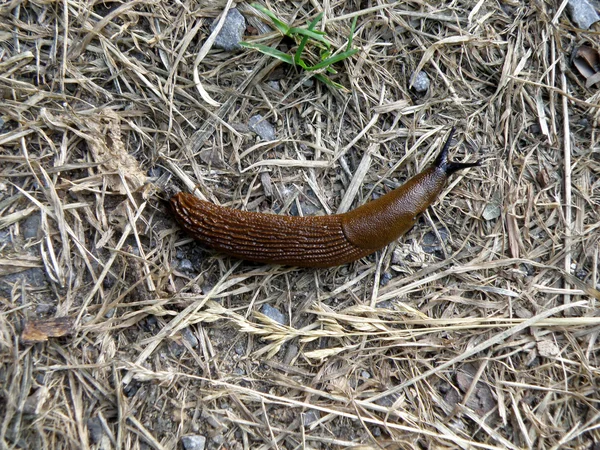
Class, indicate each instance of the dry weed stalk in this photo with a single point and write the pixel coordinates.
(487, 338)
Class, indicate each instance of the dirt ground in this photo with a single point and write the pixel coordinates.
(477, 329)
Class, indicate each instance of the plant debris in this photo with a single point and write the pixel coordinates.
(488, 341)
(41, 330)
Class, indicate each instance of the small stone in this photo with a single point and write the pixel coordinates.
(212, 157)
(267, 183)
(189, 337)
(45, 309)
(385, 278)
(4, 238)
(149, 324)
(95, 430)
(290, 353)
(232, 32)
(186, 264)
(131, 389)
(310, 417)
(155, 172)
(239, 348)
(492, 211)
(582, 13)
(421, 82)
(386, 304)
(176, 348)
(262, 127)
(34, 277)
(274, 314)
(31, 227)
(431, 244)
(547, 348)
(193, 442)
(388, 400)
(274, 84)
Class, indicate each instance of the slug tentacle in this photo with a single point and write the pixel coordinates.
(449, 167)
(316, 241)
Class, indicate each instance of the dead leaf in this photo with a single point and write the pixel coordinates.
(587, 62)
(543, 178)
(481, 399)
(514, 238)
(212, 158)
(41, 330)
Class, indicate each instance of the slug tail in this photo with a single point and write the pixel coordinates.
(449, 167)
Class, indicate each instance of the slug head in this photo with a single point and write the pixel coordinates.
(449, 167)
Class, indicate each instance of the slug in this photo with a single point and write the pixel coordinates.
(315, 241)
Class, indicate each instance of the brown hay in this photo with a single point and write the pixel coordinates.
(490, 341)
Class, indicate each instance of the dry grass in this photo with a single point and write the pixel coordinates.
(490, 342)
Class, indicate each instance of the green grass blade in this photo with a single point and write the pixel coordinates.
(279, 24)
(301, 63)
(311, 34)
(334, 59)
(273, 52)
(299, 50)
(315, 21)
(322, 78)
(304, 41)
(351, 36)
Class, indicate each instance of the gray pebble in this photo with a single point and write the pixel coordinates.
(582, 13)
(4, 238)
(232, 31)
(45, 309)
(273, 313)
(95, 430)
(190, 338)
(385, 278)
(421, 82)
(290, 353)
(31, 226)
(310, 417)
(388, 400)
(262, 127)
(492, 211)
(34, 277)
(431, 244)
(274, 84)
(386, 304)
(176, 348)
(239, 348)
(193, 442)
(186, 264)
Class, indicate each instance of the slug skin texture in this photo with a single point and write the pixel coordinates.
(315, 241)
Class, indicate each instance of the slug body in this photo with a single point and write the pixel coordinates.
(315, 241)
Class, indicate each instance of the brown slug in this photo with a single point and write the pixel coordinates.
(315, 241)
